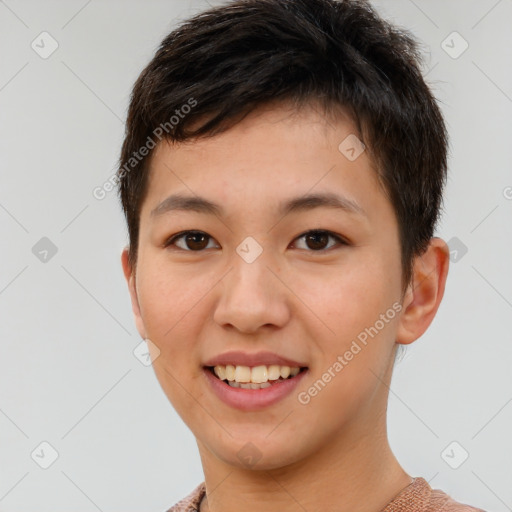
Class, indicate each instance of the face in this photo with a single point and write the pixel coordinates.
(252, 278)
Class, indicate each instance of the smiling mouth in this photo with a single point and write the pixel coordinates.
(257, 377)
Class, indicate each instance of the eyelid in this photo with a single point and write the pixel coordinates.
(340, 239)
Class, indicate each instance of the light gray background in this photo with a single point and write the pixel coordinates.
(68, 375)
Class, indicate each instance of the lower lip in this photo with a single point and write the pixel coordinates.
(252, 399)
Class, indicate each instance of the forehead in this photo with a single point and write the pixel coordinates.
(272, 158)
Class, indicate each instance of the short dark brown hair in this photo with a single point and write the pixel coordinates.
(225, 62)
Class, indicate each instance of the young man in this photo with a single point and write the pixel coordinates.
(282, 177)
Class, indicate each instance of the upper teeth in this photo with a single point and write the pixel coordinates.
(256, 374)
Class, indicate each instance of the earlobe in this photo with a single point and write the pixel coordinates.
(129, 274)
(425, 292)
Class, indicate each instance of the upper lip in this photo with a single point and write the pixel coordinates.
(237, 357)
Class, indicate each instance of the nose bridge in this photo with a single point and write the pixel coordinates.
(251, 274)
(251, 295)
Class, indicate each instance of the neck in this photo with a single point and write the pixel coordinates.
(356, 472)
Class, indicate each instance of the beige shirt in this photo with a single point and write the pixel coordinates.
(418, 496)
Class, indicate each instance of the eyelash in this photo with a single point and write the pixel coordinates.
(170, 241)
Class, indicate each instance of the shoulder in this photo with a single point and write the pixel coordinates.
(416, 497)
(442, 502)
(191, 502)
(420, 497)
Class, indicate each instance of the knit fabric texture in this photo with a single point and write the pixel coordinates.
(418, 496)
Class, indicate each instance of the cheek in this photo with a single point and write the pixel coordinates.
(360, 309)
(168, 303)
(356, 297)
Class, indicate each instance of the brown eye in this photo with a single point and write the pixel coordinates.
(194, 241)
(318, 239)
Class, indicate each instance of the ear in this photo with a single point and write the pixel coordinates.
(129, 274)
(423, 297)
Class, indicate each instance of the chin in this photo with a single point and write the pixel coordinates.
(258, 452)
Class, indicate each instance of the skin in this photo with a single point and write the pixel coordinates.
(299, 300)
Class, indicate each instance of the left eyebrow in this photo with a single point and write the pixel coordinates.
(298, 204)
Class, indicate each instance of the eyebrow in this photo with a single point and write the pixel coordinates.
(298, 204)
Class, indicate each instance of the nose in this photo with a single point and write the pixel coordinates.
(252, 296)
